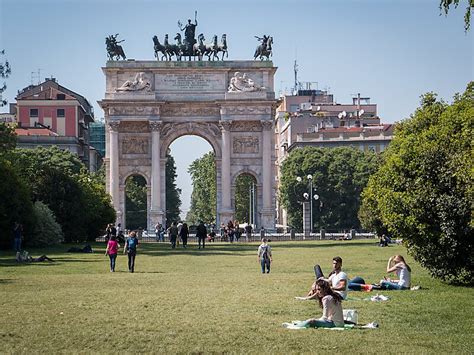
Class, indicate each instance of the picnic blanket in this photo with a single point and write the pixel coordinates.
(304, 324)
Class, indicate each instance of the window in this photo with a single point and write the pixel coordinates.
(60, 112)
(61, 96)
(33, 112)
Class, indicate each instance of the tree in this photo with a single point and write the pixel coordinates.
(243, 184)
(135, 202)
(203, 197)
(5, 71)
(59, 179)
(15, 205)
(339, 176)
(46, 231)
(15, 200)
(424, 190)
(173, 200)
(444, 5)
(7, 138)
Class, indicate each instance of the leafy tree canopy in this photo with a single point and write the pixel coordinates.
(242, 197)
(7, 138)
(445, 6)
(5, 71)
(173, 199)
(423, 192)
(136, 202)
(59, 179)
(339, 175)
(203, 197)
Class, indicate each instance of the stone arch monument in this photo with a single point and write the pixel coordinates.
(149, 104)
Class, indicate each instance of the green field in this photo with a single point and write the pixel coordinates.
(216, 300)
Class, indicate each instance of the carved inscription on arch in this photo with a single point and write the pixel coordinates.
(245, 145)
(141, 126)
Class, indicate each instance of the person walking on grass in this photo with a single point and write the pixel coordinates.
(183, 234)
(173, 234)
(201, 234)
(17, 238)
(131, 249)
(265, 256)
(111, 251)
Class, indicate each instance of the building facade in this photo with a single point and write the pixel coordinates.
(313, 118)
(49, 114)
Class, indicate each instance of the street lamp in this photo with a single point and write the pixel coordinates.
(309, 197)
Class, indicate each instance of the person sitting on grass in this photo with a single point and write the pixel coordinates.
(337, 277)
(26, 258)
(395, 264)
(331, 303)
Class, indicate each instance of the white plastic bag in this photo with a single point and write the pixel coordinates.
(350, 316)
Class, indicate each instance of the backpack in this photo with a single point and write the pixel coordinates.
(265, 253)
(132, 244)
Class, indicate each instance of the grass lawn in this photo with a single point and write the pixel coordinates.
(216, 300)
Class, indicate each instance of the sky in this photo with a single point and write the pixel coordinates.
(392, 51)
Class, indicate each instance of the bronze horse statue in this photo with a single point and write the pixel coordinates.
(264, 49)
(223, 47)
(201, 49)
(158, 47)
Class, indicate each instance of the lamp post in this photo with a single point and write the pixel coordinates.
(308, 198)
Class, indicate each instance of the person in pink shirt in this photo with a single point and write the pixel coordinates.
(111, 251)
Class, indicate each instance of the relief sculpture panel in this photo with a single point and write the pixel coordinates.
(245, 145)
(135, 145)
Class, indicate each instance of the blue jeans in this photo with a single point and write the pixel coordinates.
(356, 284)
(387, 285)
(265, 263)
(112, 257)
(317, 323)
(17, 244)
(131, 260)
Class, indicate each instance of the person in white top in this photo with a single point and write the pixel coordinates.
(337, 278)
(264, 255)
(398, 265)
(330, 302)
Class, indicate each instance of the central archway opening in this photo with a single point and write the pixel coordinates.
(195, 178)
(135, 202)
(245, 199)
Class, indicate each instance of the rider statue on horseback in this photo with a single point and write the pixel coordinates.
(265, 48)
(114, 49)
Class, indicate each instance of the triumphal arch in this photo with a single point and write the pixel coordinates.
(231, 104)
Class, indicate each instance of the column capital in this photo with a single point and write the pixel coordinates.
(225, 125)
(266, 125)
(114, 125)
(155, 126)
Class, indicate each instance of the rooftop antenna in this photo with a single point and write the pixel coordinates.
(37, 76)
(295, 69)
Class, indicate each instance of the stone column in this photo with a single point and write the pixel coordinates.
(114, 167)
(226, 208)
(156, 211)
(267, 213)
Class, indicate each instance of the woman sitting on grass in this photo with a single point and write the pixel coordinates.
(330, 302)
(395, 264)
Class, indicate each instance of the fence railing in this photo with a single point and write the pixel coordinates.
(147, 238)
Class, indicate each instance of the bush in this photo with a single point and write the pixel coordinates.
(46, 230)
